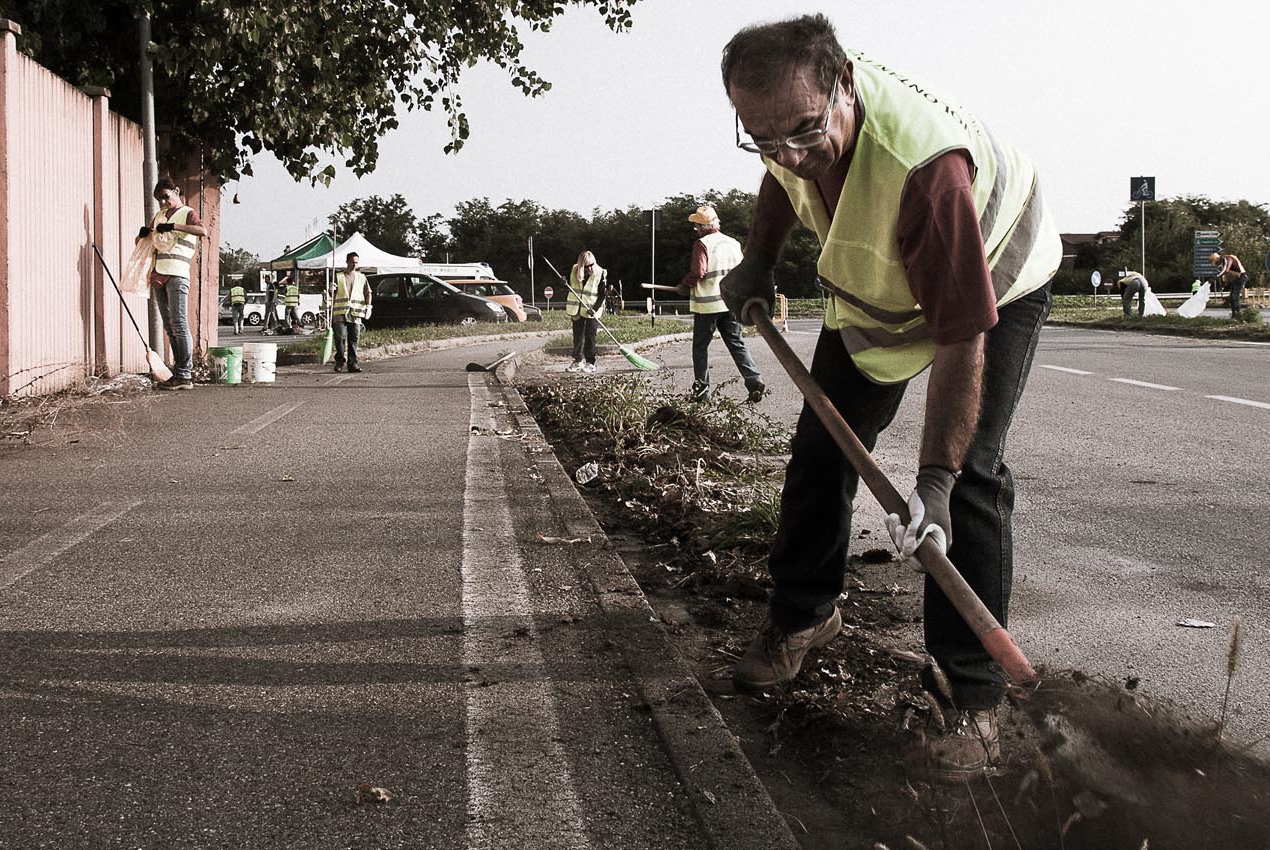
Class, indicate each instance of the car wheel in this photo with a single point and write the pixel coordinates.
(308, 319)
(469, 319)
(254, 319)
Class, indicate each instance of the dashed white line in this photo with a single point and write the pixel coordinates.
(1244, 401)
(520, 791)
(1064, 369)
(43, 549)
(1145, 384)
(261, 422)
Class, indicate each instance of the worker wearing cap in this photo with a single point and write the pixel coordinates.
(937, 253)
(1132, 284)
(714, 254)
(1231, 272)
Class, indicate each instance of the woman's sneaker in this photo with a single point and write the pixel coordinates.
(575, 366)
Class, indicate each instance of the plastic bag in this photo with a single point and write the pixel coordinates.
(136, 272)
(1196, 304)
(1153, 305)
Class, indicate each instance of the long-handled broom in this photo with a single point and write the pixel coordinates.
(995, 639)
(631, 357)
(158, 369)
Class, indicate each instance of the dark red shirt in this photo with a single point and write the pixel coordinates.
(940, 244)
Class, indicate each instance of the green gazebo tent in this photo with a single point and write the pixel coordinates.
(315, 247)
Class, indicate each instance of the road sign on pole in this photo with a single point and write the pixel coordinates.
(1207, 243)
(547, 292)
(1096, 280)
(1142, 188)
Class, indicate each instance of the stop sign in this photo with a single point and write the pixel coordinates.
(547, 292)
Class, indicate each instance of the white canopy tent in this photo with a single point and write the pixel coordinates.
(367, 255)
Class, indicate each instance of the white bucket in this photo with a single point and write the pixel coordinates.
(260, 362)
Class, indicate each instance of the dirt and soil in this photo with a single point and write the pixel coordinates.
(1086, 763)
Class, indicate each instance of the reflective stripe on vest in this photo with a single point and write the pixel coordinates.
(351, 303)
(906, 126)
(588, 289)
(723, 254)
(293, 296)
(237, 295)
(176, 260)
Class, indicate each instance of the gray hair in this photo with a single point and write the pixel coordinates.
(760, 56)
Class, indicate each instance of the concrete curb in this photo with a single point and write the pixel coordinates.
(729, 801)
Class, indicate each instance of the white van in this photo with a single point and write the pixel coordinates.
(458, 271)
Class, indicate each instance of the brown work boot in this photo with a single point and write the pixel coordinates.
(970, 746)
(776, 656)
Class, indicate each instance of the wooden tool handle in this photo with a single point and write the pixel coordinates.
(995, 639)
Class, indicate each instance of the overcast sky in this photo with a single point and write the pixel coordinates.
(1093, 92)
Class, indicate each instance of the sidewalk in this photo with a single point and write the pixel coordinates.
(227, 610)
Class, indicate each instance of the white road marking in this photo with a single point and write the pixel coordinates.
(1145, 384)
(261, 422)
(1244, 401)
(520, 791)
(1247, 342)
(42, 550)
(1065, 369)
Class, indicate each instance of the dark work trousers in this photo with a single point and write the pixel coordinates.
(809, 556)
(584, 340)
(1236, 293)
(346, 336)
(703, 327)
(1126, 298)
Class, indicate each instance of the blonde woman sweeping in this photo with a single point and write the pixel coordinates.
(584, 306)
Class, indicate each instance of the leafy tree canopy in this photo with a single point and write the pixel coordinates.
(300, 80)
(388, 223)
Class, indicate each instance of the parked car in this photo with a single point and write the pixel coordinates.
(499, 292)
(254, 309)
(404, 299)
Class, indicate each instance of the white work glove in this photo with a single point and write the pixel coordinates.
(928, 513)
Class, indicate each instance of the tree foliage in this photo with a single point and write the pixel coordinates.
(620, 240)
(303, 81)
(388, 223)
(1170, 237)
(240, 261)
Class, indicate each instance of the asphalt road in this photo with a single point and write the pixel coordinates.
(1140, 463)
(224, 610)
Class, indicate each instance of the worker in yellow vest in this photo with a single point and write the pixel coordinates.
(174, 232)
(293, 305)
(350, 306)
(583, 306)
(714, 254)
(936, 253)
(237, 303)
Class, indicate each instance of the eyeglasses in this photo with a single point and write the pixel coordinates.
(798, 141)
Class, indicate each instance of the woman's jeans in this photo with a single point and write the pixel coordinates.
(172, 300)
(809, 557)
(584, 340)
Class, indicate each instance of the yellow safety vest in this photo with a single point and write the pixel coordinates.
(349, 301)
(588, 289)
(293, 295)
(237, 295)
(175, 261)
(906, 126)
(723, 254)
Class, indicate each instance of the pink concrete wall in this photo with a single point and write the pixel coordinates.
(71, 176)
